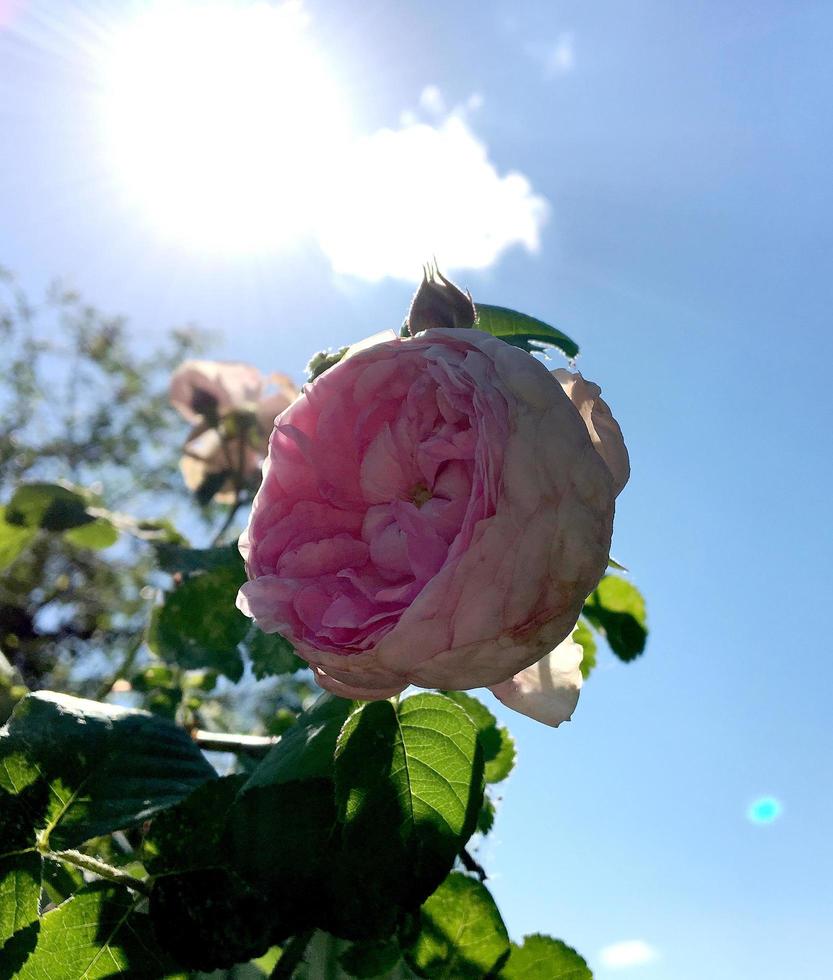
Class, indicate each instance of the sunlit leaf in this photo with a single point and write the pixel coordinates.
(95, 934)
(497, 744)
(50, 506)
(98, 534)
(543, 958)
(408, 790)
(462, 934)
(584, 637)
(522, 331)
(13, 539)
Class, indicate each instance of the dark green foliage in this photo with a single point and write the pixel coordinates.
(82, 769)
(210, 919)
(271, 654)
(199, 626)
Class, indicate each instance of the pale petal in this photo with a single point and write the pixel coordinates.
(603, 428)
(547, 691)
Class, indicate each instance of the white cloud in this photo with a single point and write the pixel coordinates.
(631, 952)
(426, 189)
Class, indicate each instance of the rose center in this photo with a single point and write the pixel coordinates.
(419, 494)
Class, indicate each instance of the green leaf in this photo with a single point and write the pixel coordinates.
(210, 919)
(188, 836)
(497, 744)
(178, 558)
(486, 817)
(199, 624)
(371, 959)
(82, 769)
(462, 934)
(617, 610)
(408, 790)
(13, 539)
(20, 885)
(50, 506)
(98, 534)
(522, 331)
(584, 638)
(271, 654)
(96, 934)
(306, 751)
(544, 958)
(279, 841)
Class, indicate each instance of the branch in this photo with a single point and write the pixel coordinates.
(230, 742)
(101, 869)
(471, 865)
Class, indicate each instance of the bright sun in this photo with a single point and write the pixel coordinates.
(222, 122)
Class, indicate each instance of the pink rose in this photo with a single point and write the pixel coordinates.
(434, 511)
(232, 408)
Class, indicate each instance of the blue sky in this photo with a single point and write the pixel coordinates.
(675, 217)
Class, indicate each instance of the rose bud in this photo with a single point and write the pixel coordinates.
(439, 303)
(434, 511)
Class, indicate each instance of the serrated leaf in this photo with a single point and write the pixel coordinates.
(210, 919)
(81, 769)
(616, 608)
(462, 934)
(544, 958)
(271, 655)
(584, 638)
(497, 744)
(20, 885)
(199, 624)
(408, 790)
(98, 534)
(13, 539)
(520, 330)
(188, 836)
(306, 751)
(96, 934)
(279, 840)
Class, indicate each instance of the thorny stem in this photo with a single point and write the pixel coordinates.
(101, 869)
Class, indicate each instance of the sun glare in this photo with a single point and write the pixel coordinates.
(222, 122)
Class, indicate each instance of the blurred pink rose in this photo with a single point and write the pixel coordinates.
(434, 511)
(232, 408)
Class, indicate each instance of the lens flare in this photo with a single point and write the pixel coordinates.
(221, 121)
(764, 810)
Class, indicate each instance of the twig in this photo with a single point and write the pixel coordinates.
(471, 865)
(230, 742)
(101, 869)
(291, 956)
(127, 662)
(233, 508)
